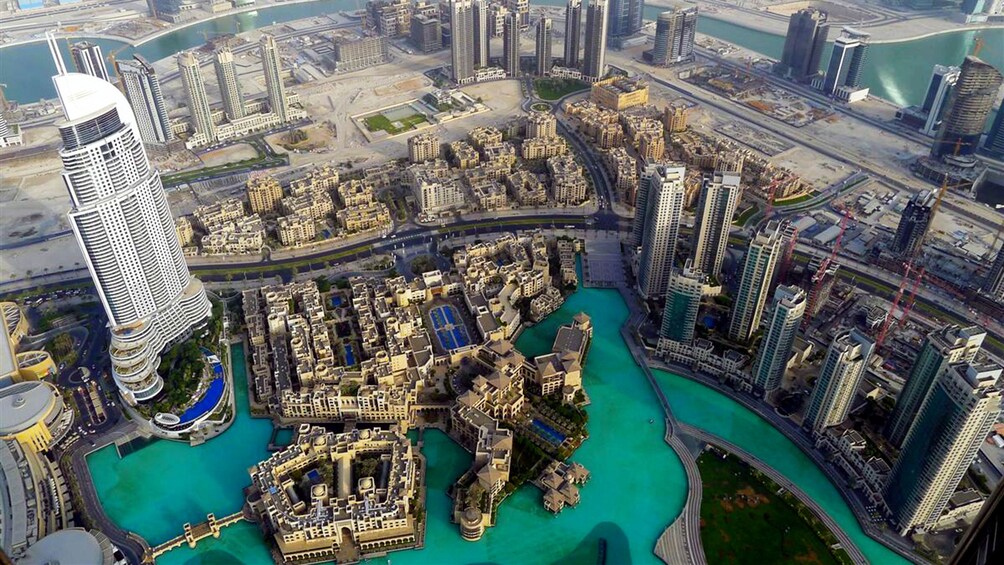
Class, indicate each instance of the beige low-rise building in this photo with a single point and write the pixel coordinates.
(541, 124)
(183, 228)
(209, 216)
(651, 145)
(365, 495)
(364, 217)
(488, 194)
(320, 178)
(423, 147)
(243, 236)
(484, 135)
(316, 205)
(355, 192)
(296, 230)
(463, 155)
(526, 188)
(568, 185)
(543, 148)
(264, 194)
(624, 170)
(674, 118)
(620, 93)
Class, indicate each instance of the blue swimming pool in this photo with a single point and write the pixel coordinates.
(550, 434)
(208, 401)
(350, 357)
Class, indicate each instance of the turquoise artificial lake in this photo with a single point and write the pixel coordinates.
(897, 72)
(638, 485)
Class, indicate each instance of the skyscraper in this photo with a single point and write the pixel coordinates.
(121, 220)
(775, 349)
(715, 208)
(510, 45)
(754, 284)
(967, 108)
(573, 32)
(941, 348)
(683, 301)
(994, 145)
(543, 46)
(482, 48)
(230, 88)
(462, 40)
(271, 64)
(522, 10)
(953, 421)
(674, 37)
(88, 60)
(844, 366)
(993, 285)
(913, 225)
(666, 193)
(195, 92)
(641, 205)
(625, 17)
(142, 88)
(594, 64)
(943, 79)
(846, 61)
(804, 45)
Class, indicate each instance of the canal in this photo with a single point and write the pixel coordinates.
(638, 486)
(887, 72)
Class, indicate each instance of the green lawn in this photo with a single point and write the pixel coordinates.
(794, 200)
(382, 122)
(744, 522)
(746, 215)
(555, 88)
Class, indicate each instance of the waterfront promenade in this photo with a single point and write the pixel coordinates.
(681, 541)
(796, 436)
(845, 540)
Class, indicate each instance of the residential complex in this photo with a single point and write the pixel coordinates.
(674, 37)
(88, 60)
(142, 88)
(715, 209)
(942, 348)
(775, 350)
(683, 300)
(663, 211)
(804, 45)
(755, 278)
(594, 61)
(841, 373)
(953, 420)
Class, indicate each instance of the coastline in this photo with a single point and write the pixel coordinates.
(167, 30)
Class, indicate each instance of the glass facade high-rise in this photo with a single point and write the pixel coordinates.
(664, 210)
(142, 87)
(804, 45)
(941, 349)
(87, 58)
(230, 88)
(573, 32)
(717, 204)
(967, 108)
(674, 37)
(847, 60)
(754, 284)
(939, 89)
(482, 47)
(271, 63)
(683, 301)
(462, 40)
(594, 61)
(124, 227)
(843, 368)
(625, 17)
(994, 144)
(953, 421)
(510, 45)
(543, 46)
(782, 328)
(993, 284)
(913, 225)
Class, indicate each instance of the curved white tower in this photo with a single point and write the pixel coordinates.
(124, 227)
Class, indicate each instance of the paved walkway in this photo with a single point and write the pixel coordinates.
(681, 542)
(845, 540)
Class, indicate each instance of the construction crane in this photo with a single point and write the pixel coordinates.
(912, 297)
(819, 278)
(771, 194)
(890, 315)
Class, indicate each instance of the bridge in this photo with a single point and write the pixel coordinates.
(196, 533)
